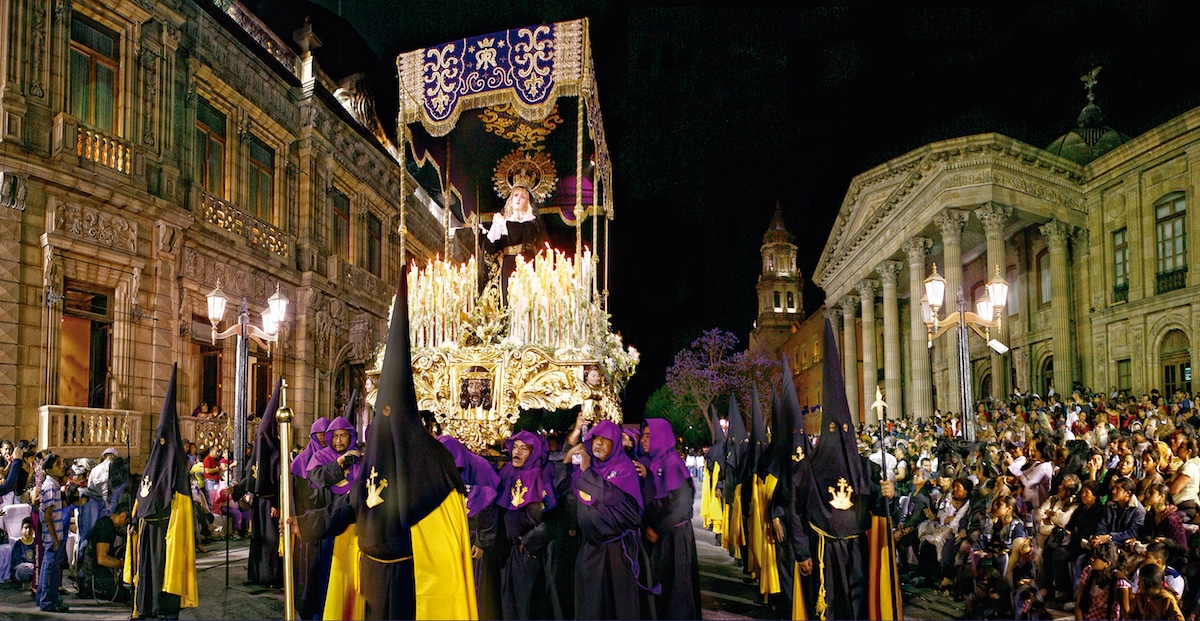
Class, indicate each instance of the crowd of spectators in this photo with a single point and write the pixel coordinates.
(1087, 504)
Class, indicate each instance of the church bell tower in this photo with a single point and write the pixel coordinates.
(780, 305)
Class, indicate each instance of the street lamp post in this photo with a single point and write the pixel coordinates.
(988, 315)
(268, 334)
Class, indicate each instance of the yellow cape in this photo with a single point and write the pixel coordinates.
(444, 576)
(344, 600)
(179, 572)
(768, 576)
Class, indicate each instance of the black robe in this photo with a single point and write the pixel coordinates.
(529, 237)
(673, 560)
(564, 544)
(841, 565)
(484, 528)
(606, 581)
(149, 597)
(523, 580)
(310, 581)
(264, 566)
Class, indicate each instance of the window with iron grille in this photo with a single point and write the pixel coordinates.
(374, 244)
(1120, 265)
(1170, 227)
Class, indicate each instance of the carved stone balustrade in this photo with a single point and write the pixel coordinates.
(74, 432)
(260, 234)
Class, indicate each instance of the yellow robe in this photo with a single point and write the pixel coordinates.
(179, 572)
(344, 598)
(716, 507)
(444, 576)
(754, 527)
(768, 576)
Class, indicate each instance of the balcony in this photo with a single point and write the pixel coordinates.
(207, 432)
(91, 144)
(1170, 280)
(85, 432)
(1121, 293)
(260, 234)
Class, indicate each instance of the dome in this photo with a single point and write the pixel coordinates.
(1089, 140)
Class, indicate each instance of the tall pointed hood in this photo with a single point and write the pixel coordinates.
(167, 467)
(758, 430)
(716, 451)
(264, 459)
(837, 467)
(406, 473)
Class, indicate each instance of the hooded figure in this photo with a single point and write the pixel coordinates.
(737, 444)
(611, 568)
(791, 529)
(410, 502)
(160, 561)
(668, 493)
(524, 494)
(311, 575)
(838, 503)
(712, 507)
(753, 487)
(265, 567)
(482, 482)
(336, 467)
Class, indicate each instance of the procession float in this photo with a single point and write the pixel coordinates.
(479, 117)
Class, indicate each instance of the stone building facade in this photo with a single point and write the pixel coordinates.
(1091, 234)
(151, 148)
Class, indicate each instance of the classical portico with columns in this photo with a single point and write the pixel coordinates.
(1092, 244)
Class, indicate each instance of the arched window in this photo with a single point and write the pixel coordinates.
(1047, 375)
(1046, 289)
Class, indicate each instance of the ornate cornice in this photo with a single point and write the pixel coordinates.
(236, 282)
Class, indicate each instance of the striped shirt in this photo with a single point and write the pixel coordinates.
(52, 498)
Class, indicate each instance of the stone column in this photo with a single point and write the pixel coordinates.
(866, 291)
(994, 217)
(849, 352)
(835, 321)
(1086, 373)
(951, 223)
(920, 387)
(891, 335)
(1056, 234)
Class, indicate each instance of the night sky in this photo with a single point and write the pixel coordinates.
(714, 115)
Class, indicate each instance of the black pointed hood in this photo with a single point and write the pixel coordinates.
(758, 431)
(264, 458)
(167, 466)
(836, 456)
(716, 451)
(419, 471)
(793, 416)
(737, 442)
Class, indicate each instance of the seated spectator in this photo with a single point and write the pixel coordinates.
(1162, 520)
(1058, 562)
(23, 555)
(103, 559)
(1186, 483)
(1153, 600)
(1122, 519)
(1102, 593)
(237, 519)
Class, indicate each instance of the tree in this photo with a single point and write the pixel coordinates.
(756, 367)
(685, 419)
(709, 368)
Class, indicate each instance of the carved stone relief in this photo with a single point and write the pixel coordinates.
(103, 228)
(13, 188)
(237, 283)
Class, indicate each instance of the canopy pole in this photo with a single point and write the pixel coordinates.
(446, 203)
(403, 206)
(595, 232)
(606, 246)
(579, 189)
